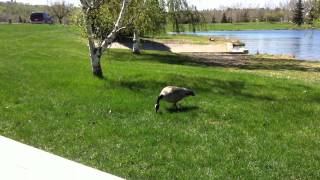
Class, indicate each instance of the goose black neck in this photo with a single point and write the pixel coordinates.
(159, 98)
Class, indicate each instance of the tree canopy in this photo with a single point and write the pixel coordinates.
(298, 17)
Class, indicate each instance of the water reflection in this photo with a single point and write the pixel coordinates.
(303, 44)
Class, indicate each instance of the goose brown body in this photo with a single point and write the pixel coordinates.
(173, 94)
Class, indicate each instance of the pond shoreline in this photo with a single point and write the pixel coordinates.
(252, 26)
(190, 44)
(302, 44)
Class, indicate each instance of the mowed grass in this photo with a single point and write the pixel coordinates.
(186, 39)
(240, 125)
(247, 26)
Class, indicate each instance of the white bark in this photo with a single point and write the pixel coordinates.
(95, 54)
(117, 27)
(96, 49)
(136, 42)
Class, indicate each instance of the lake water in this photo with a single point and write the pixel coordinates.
(303, 44)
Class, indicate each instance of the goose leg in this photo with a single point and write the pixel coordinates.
(175, 105)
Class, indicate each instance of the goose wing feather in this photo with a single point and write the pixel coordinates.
(173, 94)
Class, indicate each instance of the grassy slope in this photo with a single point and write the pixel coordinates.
(239, 125)
(247, 26)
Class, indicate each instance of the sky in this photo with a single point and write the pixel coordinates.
(201, 4)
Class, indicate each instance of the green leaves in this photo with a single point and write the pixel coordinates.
(148, 17)
(179, 13)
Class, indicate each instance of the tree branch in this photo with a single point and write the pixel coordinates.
(119, 29)
(110, 38)
(98, 3)
(86, 8)
(85, 4)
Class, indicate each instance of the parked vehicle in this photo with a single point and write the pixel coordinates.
(41, 18)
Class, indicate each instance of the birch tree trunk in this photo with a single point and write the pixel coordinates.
(136, 42)
(95, 56)
(95, 52)
(96, 45)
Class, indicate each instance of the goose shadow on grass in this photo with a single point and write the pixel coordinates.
(182, 108)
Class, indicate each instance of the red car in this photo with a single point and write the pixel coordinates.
(40, 18)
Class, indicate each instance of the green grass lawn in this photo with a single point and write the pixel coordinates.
(185, 38)
(246, 26)
(241, 125)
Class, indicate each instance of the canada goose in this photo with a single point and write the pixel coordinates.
(173, 95)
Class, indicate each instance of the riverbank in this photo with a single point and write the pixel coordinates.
(199, 50)
(276, 66)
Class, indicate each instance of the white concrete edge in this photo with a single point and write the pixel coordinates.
(22, 162)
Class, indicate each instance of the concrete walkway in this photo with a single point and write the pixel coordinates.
(23, 162)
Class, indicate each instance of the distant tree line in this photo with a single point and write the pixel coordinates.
(296, 11)
(176, 13)
(15, 12)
